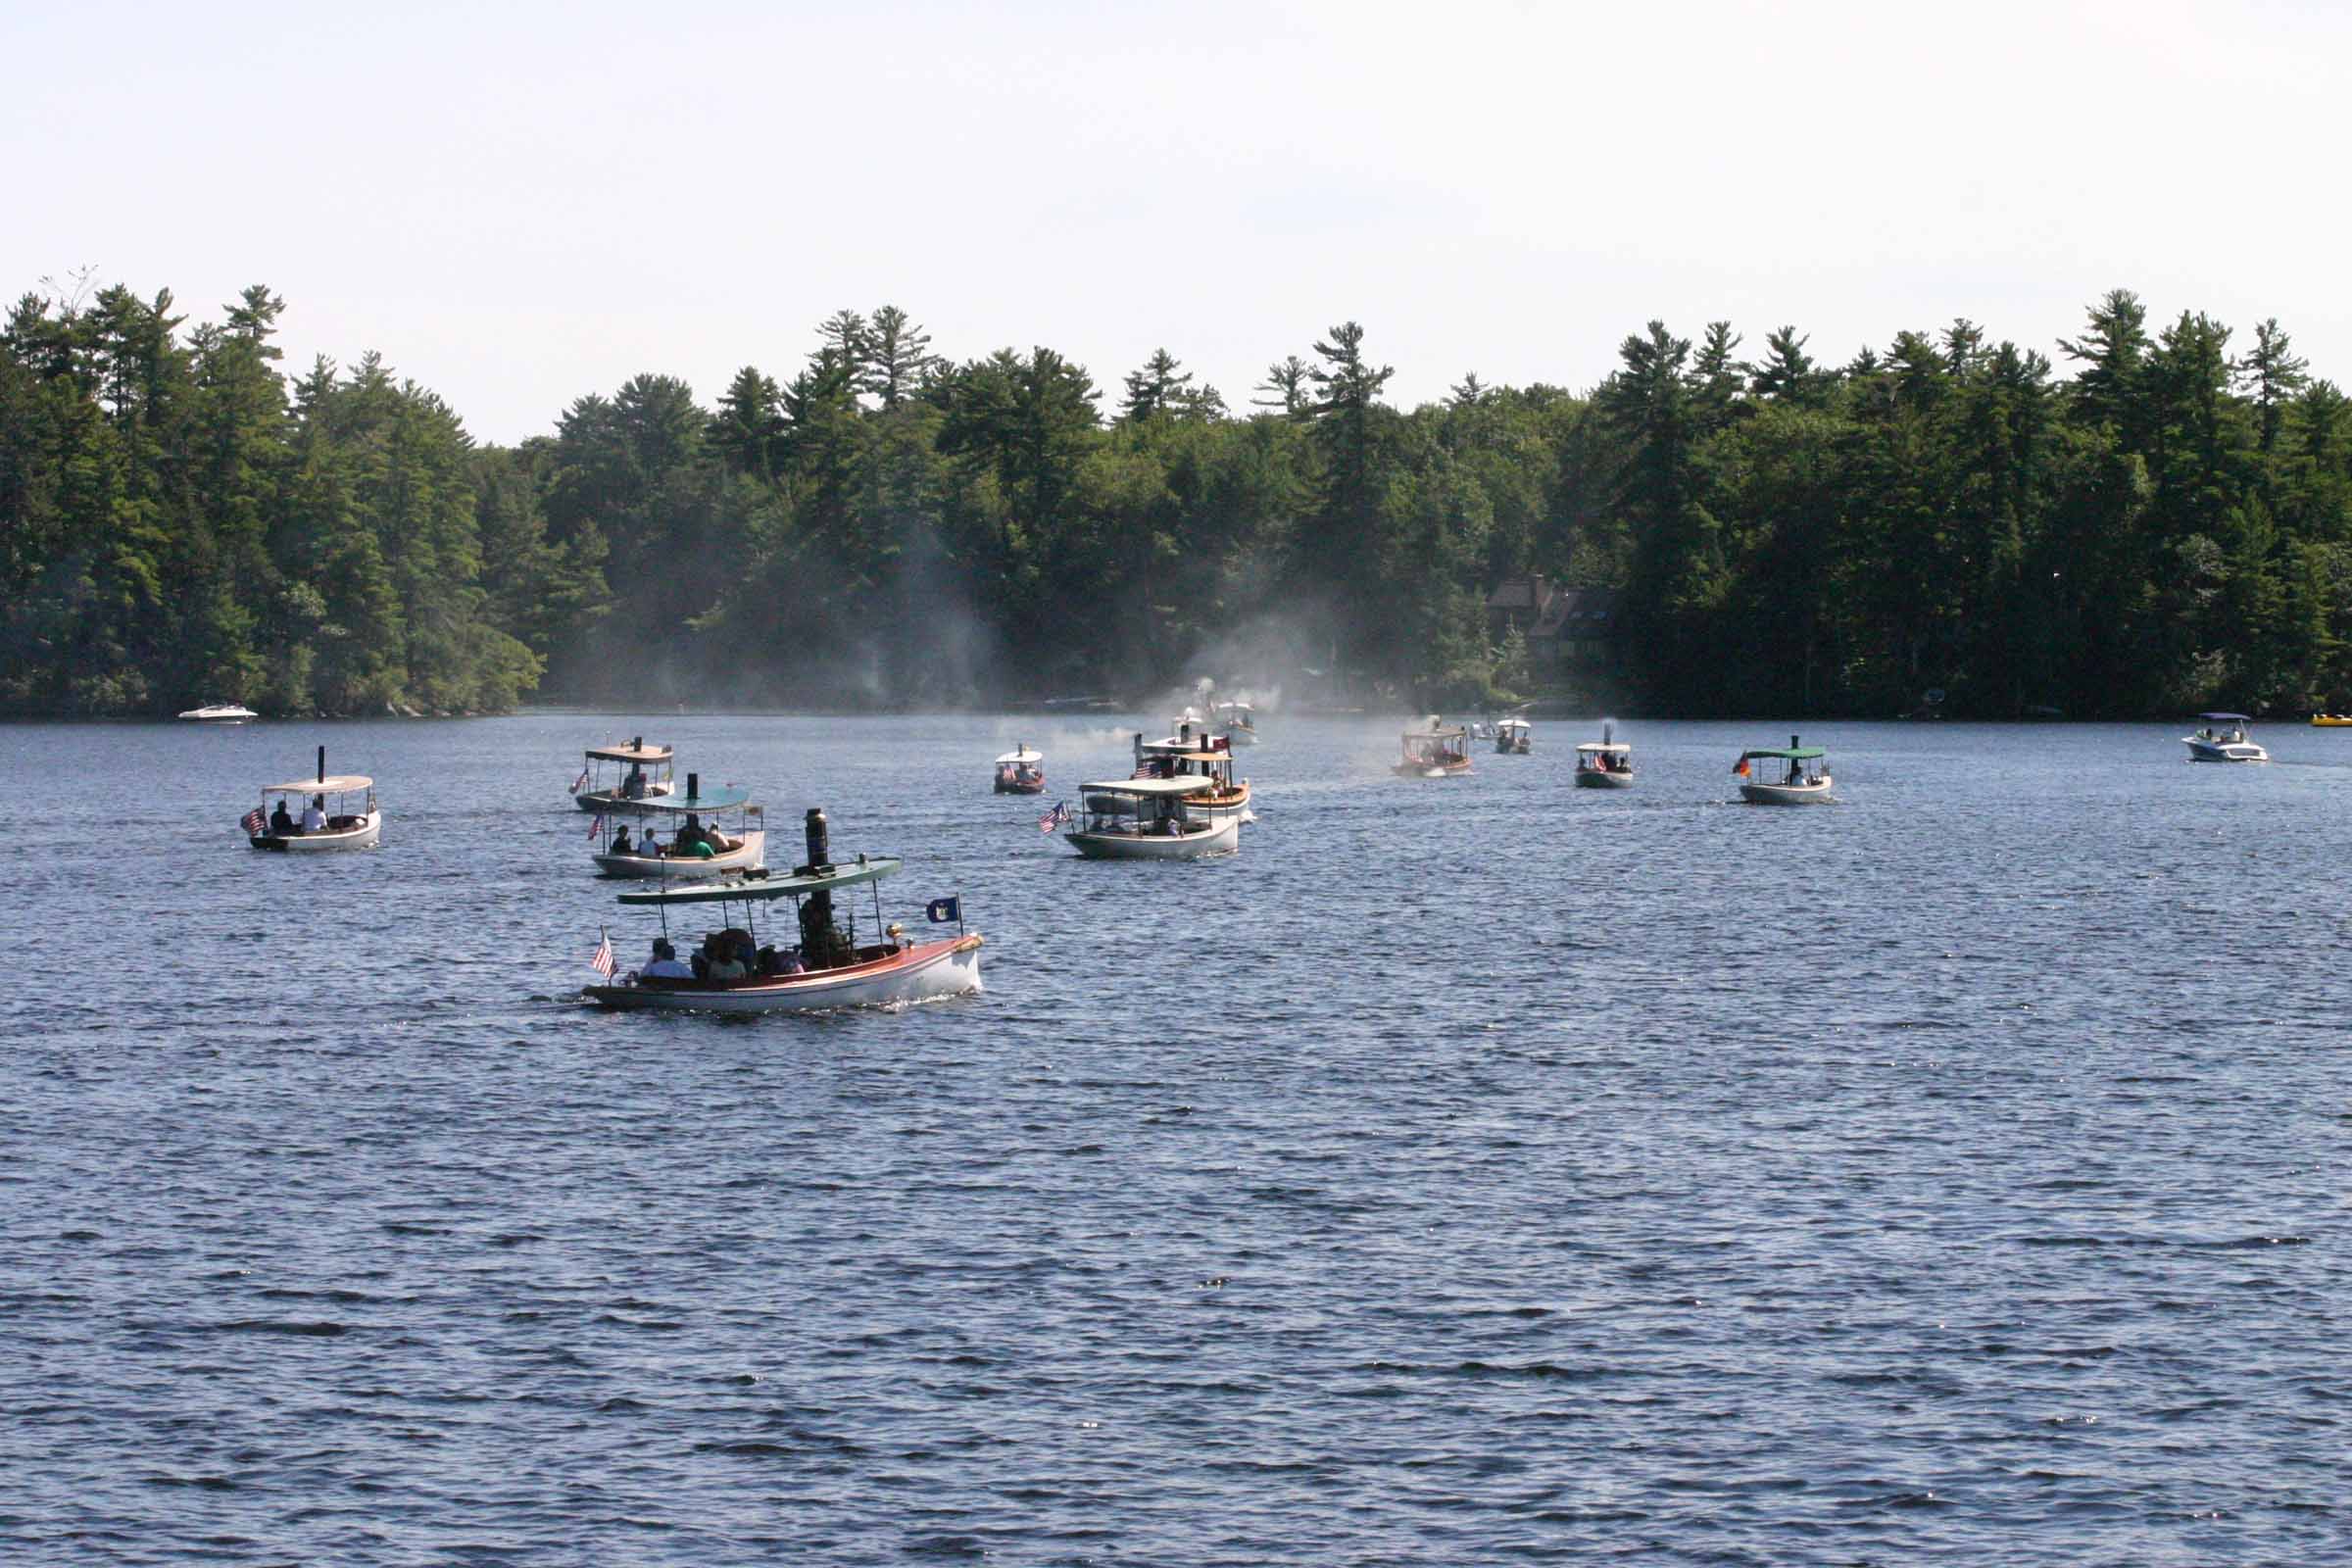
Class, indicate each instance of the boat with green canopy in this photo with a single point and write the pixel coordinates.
(819, 961)
(709, 833)
(1787, 775)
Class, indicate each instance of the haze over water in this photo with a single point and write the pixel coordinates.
(1469, 1170)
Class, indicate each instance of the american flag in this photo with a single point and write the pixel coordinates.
(1055, 818)
(596, 826)
(580, 783)
(253, 821)
(602, 962)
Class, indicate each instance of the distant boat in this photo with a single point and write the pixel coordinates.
(2318, 720)
(1193, 753)
(2224, 739)
(285, 820)
(1801, 779)
(1606, 763)
(220, 714)
(1513, 737)
(619, 777)
(692, 819)
(1240, 723)
(1021, 771)
(1436, 750)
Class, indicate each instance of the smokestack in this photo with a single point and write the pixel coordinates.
(322, 765)
(693, 786)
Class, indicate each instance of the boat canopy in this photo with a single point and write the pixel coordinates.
(1024, 755)
(1149, 788)
(2225, 718)
(1513, 723)
(332, 784)
(630, 753)
(1614, 747)
(718, 800)
(1785, 754)
(757, 888)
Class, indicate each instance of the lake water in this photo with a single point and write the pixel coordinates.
(1469, 1171)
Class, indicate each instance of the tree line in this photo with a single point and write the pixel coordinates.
(2165, 527)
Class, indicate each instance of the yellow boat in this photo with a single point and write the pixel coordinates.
(2332, 720)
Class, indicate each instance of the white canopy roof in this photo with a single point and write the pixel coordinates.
(332, 784)
(1604, 746)
(1154, 788)
(1024, 755)
(631, 753)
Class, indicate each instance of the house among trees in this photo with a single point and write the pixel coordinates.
(1564, 628)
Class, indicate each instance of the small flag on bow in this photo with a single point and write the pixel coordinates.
(1055, 818)
(580, 783)
(942, 911)
(1741, 768)
(596, 826)
(602, 962)
(253, 821)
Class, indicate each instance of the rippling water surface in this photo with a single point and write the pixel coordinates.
(1468, 1171)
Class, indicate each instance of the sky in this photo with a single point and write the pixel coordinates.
(521, 203)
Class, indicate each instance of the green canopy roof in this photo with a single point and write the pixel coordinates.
(718, 800)
(1789, 754)
(752, 889)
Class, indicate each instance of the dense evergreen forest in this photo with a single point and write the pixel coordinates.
(2168, 526)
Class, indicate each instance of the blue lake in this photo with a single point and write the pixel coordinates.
(1468, 1171)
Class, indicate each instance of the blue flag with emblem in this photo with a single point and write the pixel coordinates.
(942, 911)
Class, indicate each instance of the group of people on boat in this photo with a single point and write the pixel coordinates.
(1606, 762)
(733, 954)
(313, 818)
(693, 841)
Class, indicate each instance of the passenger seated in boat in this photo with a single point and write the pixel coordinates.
(314, 819)
(665, 964)
(281, 822)
(897, 935)
(780, 961)
(621, 843)
(724, 964)
(632, 787)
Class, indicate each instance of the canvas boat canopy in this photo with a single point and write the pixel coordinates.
(630, 753)
(1158, 789)
(1024, 755)
(2225, 718)
(1785, 754)
(332, 784)
(718, 800)
(1614, 747)
(756, 888)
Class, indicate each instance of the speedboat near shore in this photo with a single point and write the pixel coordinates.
(701, 845)
(2318, 720)
(1802, 779)
(818, 962)
(1436, 750)
(1149, 819)
(2224, 739)
(337, 811)
(621, 779)
(220, 714)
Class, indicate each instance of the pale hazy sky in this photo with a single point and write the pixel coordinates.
(519, 204)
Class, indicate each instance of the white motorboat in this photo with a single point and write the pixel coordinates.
(1021, 771)
(1513, 737)
(1435, 751)
(1149, 819)
(220, 714)
(710, 835)
(820, 963)
(1606, 763)
(2224, 739)
(1193, 753)
(314, 815)
(1239, 721)
(1801, 781)
(621, 779)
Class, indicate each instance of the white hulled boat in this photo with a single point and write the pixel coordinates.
(1436, 750)
(1801, 780)
(1606, 763)
(219, 714)
(1513, 737)
(336, 811)
(2224, 739)
(1149, 819)
(621, 778)
(1239, 721)
(1193, 753)
(821, 963)
(709, 835)
(1021, 771)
